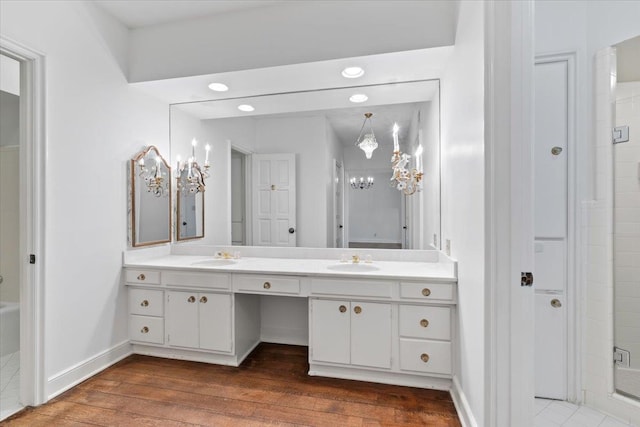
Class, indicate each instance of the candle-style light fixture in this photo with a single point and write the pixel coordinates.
(154, 177)
(362, 183)
(190, 177)
(367, 140)
(405, 180)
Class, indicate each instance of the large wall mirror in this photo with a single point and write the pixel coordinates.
(285, 169)
(149, 198)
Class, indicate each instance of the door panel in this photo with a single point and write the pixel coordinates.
(182, 319)
(215, 321)
(550, 261)
(330, 325)
(550, 344)
(371, 334)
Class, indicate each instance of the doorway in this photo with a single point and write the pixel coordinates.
(238, 198)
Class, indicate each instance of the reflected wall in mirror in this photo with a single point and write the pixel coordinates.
(319, 128)
(149, 198)
(190, 211)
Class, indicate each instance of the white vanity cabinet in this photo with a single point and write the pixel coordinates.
(351, 332)
(199, 320)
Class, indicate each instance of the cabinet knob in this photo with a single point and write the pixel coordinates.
(191, 299)
(555, 303)
(357, 309)
(342, 309)
(203, 300)
(424, 323)
(144, 303)
(267, 285)
(144, 330)
(424, 357)
(426, 292)
(141, 276)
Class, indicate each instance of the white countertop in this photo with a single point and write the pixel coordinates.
(305, 267)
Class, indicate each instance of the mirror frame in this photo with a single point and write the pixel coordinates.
(132, 199)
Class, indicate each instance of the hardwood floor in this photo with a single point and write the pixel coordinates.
(270, 388)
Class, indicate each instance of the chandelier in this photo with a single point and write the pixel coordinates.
(367, 141)
(154, 177)
(189, 175)
(361, 184)
(405, 180)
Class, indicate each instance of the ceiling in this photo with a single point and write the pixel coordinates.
(144, 13)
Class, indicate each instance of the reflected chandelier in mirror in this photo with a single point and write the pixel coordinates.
(149, 198)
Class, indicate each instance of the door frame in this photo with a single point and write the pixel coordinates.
(32, 213)
(338, 165)
(573, 296)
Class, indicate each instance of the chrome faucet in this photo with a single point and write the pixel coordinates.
(355, 259)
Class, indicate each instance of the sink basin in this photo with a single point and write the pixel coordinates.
(214, 262)
(352, 267)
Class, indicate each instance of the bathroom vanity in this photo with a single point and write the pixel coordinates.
(388, 321)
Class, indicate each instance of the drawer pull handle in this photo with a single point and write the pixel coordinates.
(267, 285)
(424, 323)
(144, 330)
(191, 299)
(424, 357)
(141, 276)
(357, 309)
(145, 303)
(426, 292)
(203, 300)
(342, 309)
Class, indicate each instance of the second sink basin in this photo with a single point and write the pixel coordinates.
(214, 262)
(352, 267)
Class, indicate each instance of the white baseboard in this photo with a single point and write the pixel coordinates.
(285, 336)
(462, 405)
(74, 375)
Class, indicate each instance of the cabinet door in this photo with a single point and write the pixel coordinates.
(330, 322)
(371, 334)
(182, 319)
(215, 321)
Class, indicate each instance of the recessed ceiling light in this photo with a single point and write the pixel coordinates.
(219, 87)
(358, 97)
(352, 72)
(246, 108)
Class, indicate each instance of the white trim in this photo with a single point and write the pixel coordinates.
(461, 403)
(79, 372)
(573, 296)
(32, 208)
(407, 379)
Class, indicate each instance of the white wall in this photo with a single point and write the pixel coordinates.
(301, 31)
(92, 116)
(9, 222)
(462, 92)
(9, 119)
(594, 26)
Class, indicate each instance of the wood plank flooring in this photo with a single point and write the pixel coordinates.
(270, 388)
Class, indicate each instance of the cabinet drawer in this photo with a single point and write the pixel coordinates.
(142, 276)
(346, 287)
(146, 302)
(146, 329)
(427, 291)
(198, 280)
(267, 284)
(425, 356)
(428, 322)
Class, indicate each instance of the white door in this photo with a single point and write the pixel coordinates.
(182, 319)
(215, 321)
(330, 331)
(338, 203)
(371, 334)
(550, 174)
(274, 199)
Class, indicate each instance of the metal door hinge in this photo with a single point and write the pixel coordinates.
(621, 357)
(620, 134)
(526, 279)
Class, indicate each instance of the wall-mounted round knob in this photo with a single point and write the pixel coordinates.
(556, 151)
(292, 230)
(144, 303)
(555, 303)
(203, 300)
(141, 276)
(424, 323)
(267, 285)
(357, 309)
(191, 299)
(426, 292)
(342, 309)
(424, 357)
(145, 330)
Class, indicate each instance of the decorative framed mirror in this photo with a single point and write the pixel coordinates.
(149, 198)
